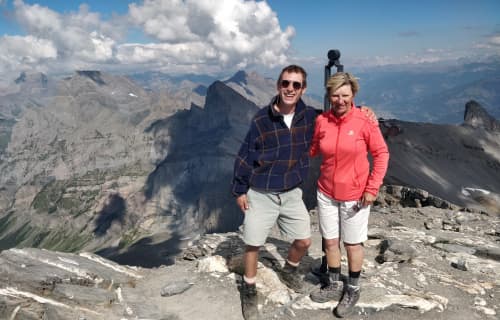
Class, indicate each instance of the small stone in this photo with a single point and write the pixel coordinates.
(213, 264)
(174, 288)
(486, 311)
(479, 301)
(460, 265)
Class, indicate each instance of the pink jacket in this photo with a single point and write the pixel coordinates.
(344, 144)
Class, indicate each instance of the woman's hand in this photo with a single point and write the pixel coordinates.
(368, 199)
(242, 202)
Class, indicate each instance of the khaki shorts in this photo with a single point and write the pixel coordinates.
(339, 217)
(265, 209)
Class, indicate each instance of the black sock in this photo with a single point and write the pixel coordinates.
(289, 268)
(354, 278)
(334, 273)
(324, 265)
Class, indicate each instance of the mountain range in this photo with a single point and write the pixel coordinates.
(99, 162)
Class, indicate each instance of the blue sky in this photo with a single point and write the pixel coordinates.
(364, 29)
(204, 36)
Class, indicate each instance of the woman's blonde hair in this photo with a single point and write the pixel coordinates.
(340, 79)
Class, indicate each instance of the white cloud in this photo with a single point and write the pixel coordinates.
(20, 53)
(78, 35)
(433, 51)
(187, 35)
(490, 44)
(228, 32)
(494, 40)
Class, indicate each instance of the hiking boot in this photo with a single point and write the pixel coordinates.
(290, 276)
(348, 301)
(329, 292)
(321, 274)
(249, 301)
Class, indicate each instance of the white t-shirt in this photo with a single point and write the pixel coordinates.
(288, 119)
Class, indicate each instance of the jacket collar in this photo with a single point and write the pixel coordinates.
(332, 117)
(299, 108)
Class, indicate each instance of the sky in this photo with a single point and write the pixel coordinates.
(224, 36)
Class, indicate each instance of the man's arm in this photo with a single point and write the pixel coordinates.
(243, 169)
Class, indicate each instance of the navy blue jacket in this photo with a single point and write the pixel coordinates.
(274, 158)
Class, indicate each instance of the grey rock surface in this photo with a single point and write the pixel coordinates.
(439, 275)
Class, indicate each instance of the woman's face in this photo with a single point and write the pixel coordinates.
(341, 100)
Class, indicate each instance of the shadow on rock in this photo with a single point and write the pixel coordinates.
(147, 253)
(114, 210)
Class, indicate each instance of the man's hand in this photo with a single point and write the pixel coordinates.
(242, 202)
(369, 113)
(368, 199)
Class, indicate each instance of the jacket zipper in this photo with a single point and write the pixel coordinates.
(335, 154)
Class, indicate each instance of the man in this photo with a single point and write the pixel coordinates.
(271, 165)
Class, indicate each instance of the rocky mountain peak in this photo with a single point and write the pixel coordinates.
(477, 117)
(36, 77)
(225, 102)
(252, 86)
(239, 77)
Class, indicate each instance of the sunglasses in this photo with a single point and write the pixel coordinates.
(296, 85)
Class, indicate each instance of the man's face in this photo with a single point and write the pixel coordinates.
(291, 87)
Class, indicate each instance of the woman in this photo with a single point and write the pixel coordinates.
(346, 187)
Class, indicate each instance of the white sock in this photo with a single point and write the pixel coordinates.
(293, 264)
(249, 280)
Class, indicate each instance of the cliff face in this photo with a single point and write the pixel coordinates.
(199, 148)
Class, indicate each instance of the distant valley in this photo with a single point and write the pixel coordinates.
(431, 93)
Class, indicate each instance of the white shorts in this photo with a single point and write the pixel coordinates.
(341, 217)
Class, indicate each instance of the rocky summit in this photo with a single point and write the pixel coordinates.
(421, 263)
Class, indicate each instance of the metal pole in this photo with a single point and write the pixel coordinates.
(333, 60)
(326, 102)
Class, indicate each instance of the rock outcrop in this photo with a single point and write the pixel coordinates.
(477, 117)
(445, 159)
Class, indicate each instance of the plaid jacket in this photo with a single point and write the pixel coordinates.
(274, 158)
